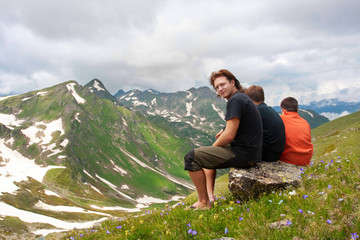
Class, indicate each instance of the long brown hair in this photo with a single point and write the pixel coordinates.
(229, 76)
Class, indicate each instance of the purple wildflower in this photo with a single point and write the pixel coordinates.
(119, 227)
(226, 230)
(305, 196)
(300, 211)
(240, 218)
(248, 210)
(288, 223)
(329, 186)
(107, 231)
(194, 232)
(339, 169)
(189, 224)
(190, 231)
(354, 236)
(322, 161)
(329, 221)
(238, 201)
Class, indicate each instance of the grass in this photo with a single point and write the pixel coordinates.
(326, 206)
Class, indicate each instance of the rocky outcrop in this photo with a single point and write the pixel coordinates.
(263, 178)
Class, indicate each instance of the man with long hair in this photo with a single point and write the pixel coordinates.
(238, 145)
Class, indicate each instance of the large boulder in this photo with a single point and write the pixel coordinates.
(263, 178)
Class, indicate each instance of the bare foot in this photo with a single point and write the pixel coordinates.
(200, 206)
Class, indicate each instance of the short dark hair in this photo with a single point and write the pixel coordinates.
(229, 76)
(256, 93)
(290, 104)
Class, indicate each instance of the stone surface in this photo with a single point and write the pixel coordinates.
(263, 178)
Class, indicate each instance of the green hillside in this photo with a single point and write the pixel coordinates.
(326, 206)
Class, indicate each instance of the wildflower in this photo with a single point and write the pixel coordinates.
(288, 223)
(189, 224)
(301, 169)
(300, 211)
(311, 212)
(240, 218)
(119, 227)
(299, 176)
(322, 161)
(231, 202)
(305, 196)
(190, 231)
(341, 199)
(126, 232)
(141, 221)
(168, 232)
(270, 200)
(339, 169)
(201, 216)
(226, 230)
(107, 231)
(238, 201)
(194, 232)
(216, 216)
(329, 186)
(321, 193)
(281, 201)
(248, 210)
(292, 193)
(329, 221)
(354, 236)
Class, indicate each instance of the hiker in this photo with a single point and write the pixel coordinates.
(298, 146)
(273, 126)
(238, 145)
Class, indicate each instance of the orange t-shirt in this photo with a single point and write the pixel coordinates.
(298, 146)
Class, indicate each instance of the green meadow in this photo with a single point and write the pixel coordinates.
(325, 206)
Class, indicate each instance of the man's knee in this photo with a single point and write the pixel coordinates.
(189, 158)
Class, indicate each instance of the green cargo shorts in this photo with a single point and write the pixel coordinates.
(214, 158)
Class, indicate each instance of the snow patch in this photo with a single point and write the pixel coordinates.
(311, 115)
(138, 103)
(25, 99)
(10, 120)
(117, 208)
(148, 200)
(97, 86)
(30, 217)
(51, 193)
(189, 96)
(41, 93)
(153, 102)
(38, 135)
(124, 186)
(188, 108)
(16, 168)
(221, 113)
(64, 143)
(71, 88)
(42, 205)
(77, 117)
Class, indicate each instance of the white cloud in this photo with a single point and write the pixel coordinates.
(302, 49)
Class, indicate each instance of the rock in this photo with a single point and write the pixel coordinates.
(263, 178)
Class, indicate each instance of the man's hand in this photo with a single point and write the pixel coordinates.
(218, 135)
(228, 134)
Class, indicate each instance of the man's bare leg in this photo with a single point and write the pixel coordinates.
(199, 180)
(210, 175)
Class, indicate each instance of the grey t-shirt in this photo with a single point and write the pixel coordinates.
(247, 144)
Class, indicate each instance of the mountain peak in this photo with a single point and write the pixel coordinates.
(96, 85)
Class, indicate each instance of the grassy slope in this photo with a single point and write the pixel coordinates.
(326, 206)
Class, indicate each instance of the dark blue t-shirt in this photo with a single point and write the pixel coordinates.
(247, 144)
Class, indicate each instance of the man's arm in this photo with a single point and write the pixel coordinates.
(229, 133)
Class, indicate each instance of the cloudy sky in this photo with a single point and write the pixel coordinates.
(306, 49)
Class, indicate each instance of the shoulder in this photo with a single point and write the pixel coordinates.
(239, 97)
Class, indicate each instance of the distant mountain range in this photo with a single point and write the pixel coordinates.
(199, 108)
(331, 108)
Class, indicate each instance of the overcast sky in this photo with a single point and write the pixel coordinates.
(306, 49)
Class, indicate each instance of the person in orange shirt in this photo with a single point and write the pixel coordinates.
(298, 146)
